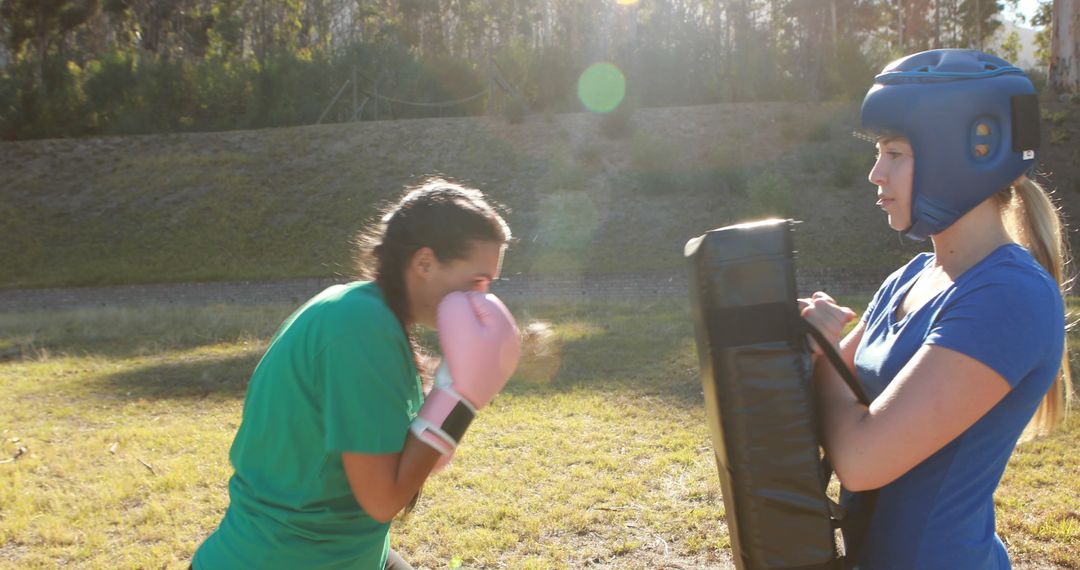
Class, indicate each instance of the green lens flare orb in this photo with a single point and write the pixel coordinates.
(601, 87)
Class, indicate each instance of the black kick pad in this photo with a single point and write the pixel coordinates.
(756, 374)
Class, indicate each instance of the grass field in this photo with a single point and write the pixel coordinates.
(283, 203)
(117, 422)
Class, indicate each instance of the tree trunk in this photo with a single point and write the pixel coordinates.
(937, 24)
(978, 27)
(42, 40)
(900, 25)
(1065, 46)
(832, 36)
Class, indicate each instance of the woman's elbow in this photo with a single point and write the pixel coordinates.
(383, 518)
(381, 512)
(857, 478)
(855, 484)
(379, 505)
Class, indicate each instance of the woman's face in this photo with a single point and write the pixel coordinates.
(893, 174)
(474, 272)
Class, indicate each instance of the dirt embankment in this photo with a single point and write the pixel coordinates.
(281, 204)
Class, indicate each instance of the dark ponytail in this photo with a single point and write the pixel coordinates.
(438, 214)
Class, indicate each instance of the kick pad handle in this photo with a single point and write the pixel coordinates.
(837, 361)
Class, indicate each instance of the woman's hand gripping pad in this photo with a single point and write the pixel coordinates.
(481, 346)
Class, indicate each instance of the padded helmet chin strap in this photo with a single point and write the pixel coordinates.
(1026, 133)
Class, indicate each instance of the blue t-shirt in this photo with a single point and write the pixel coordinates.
(1007, 313)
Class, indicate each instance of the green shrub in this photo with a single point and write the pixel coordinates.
(618, 124)
(590, 156)
(1059, 135)
(567, 220)
(790, 131)
(1038, 78)
(770, 194)
(653, 163)
(727, 166)
(848, 170)
(563, 176)
(11, 108)
(551, 79)
(820, 133)
(1055, 118)
(849, 73)
(128, 92)
(813, 159)
(650, 154)
(515, 110)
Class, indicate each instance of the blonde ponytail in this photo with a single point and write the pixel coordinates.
(1035, 223)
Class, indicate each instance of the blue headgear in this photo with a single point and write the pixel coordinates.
(973, 123)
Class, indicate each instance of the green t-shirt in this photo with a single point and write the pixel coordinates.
(338, 376)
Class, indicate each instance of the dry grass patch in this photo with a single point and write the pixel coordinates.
(117, 425)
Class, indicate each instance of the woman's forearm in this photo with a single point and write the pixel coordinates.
(841, 417)
(384, 484)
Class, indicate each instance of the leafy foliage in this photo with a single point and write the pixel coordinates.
(81, 67)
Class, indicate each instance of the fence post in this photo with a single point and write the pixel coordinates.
(327, 109)
(353, 114)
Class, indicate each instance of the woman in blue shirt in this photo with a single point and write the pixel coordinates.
(962, 349)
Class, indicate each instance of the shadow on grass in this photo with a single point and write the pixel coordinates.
(630, 348)
(220, 376)
(643, 350)
(134, 332)
(19, 350)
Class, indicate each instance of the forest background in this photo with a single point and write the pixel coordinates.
(120, 408)
(104, 67)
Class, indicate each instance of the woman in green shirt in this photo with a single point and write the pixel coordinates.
(324, 457)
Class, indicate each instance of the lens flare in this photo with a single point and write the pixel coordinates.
(601, 87)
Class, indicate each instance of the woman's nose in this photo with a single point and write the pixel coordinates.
(877, 174)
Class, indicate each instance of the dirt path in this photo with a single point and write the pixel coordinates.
(295, 291)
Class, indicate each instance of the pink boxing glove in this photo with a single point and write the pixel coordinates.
(481, 345)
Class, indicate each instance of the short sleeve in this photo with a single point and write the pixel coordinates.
(1012, 326)
(366, 394)
(872, 305)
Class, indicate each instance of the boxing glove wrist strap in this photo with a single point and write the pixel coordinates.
(446, 415)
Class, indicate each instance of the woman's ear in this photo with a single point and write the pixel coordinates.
(423, 262)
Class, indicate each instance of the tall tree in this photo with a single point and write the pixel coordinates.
(979, 21)
(44, 25)
(1065, 46)
(1041, 21)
